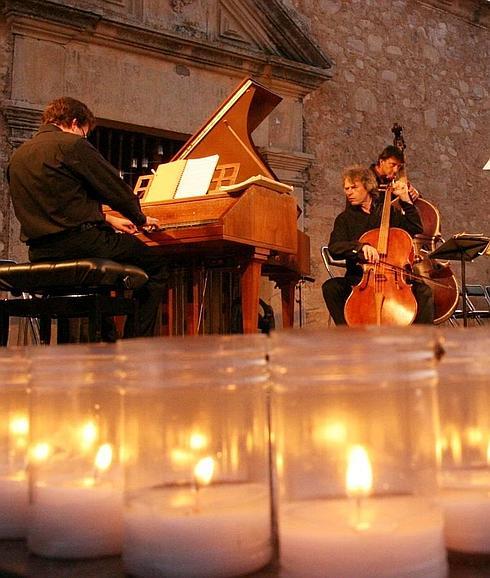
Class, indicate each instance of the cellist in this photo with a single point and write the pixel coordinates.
(362, 214)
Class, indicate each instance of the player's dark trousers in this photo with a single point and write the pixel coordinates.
(101, 241)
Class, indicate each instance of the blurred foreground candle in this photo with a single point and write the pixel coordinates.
(197, 493)
(14, 435)
(464, 445)
(76, 485)
(354, 425)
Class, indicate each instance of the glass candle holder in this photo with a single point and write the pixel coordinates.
(75, 453)
(197, 471)
(464, 443)
(354, 425)
(14, 437)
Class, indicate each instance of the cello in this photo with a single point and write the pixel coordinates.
(383, 296)
(444, 286)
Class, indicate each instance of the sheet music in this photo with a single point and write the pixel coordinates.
(196, 178)
(165, 182)
(181, 178)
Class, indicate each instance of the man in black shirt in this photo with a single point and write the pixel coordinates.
(58, 184)
(389, 166)
(362, 214)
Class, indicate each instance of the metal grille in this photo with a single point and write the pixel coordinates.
(133, 153)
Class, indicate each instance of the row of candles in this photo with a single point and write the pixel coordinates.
(339, 453)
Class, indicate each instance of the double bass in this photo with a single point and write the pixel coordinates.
(383, 296)
(444, 284)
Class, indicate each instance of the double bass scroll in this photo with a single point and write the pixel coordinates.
(445, 289)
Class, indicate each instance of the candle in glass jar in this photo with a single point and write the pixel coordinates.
(326, 539)
(13, 480)
(466, 520)
(14, 438)
(72, 520)
(465, 500)
(207, 395)
(227, 534)
(77, 518)
(463, 447)
(362, 536)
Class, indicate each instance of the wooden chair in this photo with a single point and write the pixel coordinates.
(84, 288)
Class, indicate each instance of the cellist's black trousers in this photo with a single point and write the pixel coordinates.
(337, 290)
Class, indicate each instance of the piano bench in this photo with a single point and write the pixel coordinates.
(91, 288)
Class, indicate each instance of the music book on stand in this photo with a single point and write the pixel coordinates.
(462, 246)
(257, 180)
(181, 179)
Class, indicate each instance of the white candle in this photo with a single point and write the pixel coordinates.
(466, 506)
(13, 506)
(386, 537)
(467, 520)
(226, 533)
(72, 520)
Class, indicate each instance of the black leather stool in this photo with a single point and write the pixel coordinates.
(91, 288)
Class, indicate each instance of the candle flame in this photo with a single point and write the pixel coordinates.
(40, 451)
(88, 434)
(359, 476)
(103, 459)
(19, 425)
(203, 471)
(198, 441)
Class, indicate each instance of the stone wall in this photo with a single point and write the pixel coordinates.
(413, 63)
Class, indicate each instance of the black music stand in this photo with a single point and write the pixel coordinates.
(462, 247)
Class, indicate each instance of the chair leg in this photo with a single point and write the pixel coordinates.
(63, 334)
(95, 322)
(131, 325)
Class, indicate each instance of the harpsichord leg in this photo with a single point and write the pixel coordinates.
(250, 283)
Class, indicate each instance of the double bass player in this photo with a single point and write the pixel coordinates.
(362, 214)
(387, 167)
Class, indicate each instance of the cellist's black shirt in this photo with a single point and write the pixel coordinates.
(352, 223)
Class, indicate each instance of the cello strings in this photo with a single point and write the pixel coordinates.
(412, 275)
